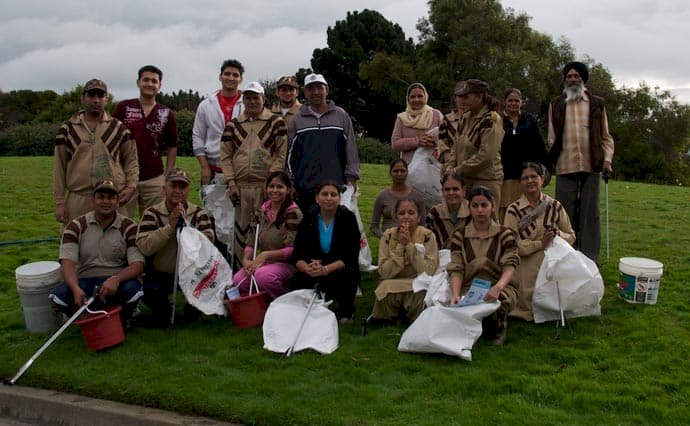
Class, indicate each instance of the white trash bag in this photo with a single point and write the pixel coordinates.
(450, 331)
(437, 286)
(349, 199)
(424, 175)
(217, 204)
(202, 271)
(580, 286)
(284, 317)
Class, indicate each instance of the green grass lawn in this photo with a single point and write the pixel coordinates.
(629, 366)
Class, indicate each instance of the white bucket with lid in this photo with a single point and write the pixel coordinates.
(639, 279)
(35, 281)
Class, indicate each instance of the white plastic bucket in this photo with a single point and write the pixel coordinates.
(35, 281)
(639, 279)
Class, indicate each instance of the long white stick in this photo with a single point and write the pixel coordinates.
(52, 338)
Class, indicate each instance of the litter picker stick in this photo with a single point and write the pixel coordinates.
(52, 338)
(176, 282)
(252, 282)
(606, 185)
(304, 321)
(560, 305)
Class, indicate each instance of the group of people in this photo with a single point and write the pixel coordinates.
(285, 169)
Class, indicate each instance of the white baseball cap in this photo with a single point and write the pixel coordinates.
(314, 78)
(254, 86)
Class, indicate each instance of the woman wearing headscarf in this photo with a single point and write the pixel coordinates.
(413, 125)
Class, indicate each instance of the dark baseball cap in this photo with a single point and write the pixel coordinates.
(95, 84)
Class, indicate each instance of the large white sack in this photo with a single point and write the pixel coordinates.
(437, 286)
(284, 317)
(424, 175)
(217, 204)
(579, 281)
(349, 199)
(450, 331)
(203, 272)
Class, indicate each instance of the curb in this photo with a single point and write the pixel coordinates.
(40, 406)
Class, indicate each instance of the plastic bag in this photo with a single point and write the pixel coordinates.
(424, 175)
(217, 205)
(437, 286)
(202, 271)
(349, 199)
(569, 280)
(450, 331)
(284, 317)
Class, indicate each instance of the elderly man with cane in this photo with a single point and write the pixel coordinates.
(580, 149)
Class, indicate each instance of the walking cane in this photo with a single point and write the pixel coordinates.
(52, 338)
(291, 349)
(607, 176)
(180, 225)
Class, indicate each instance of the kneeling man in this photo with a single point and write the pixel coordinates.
(157, 240)
(99, 249)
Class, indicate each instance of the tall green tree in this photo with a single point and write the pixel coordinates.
(351, 43)
(464, 39)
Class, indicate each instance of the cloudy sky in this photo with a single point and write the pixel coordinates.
(59, 44)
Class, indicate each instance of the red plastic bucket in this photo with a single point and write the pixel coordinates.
(102, 331)
(248, 311)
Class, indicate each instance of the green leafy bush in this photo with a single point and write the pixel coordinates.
(373, 151)
(29, 139)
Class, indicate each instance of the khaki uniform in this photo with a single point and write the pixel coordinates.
(398, 266)
(529, 246)
(289, 115)
(476, 151)
(156, 236)
(83, 158)
(487, 258)
(439, 221)
(250, 150)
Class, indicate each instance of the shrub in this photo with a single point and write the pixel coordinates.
(185, 122)
(373, 151)
(29, 139)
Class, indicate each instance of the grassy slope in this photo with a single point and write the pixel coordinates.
(628, 366)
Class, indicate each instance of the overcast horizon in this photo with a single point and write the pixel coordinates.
(50, 45)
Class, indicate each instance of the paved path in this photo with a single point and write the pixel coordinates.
(21, 405)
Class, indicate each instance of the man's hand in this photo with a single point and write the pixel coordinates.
(175, 215)
(61, 213)
(126, 195)
(205, 174)
(108, 288)
(607, 170)
(79, 297)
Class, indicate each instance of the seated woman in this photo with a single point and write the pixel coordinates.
(537, 219)
(327, 249)
(484, 249)
(400, 261)
(384, 205)
(278, 220)
(452, 214)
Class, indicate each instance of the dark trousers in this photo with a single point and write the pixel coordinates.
(579, 195)
(158, 287)
(127, 295)
(340, 286)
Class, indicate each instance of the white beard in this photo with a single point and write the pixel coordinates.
(573, 93)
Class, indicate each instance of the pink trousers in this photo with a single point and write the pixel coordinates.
(274, 278)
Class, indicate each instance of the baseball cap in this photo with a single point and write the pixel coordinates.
(254, 86)
(472, 86)
(95, 84)
(178, 175)
(314, 78)
(288, 80)
(105, 186)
